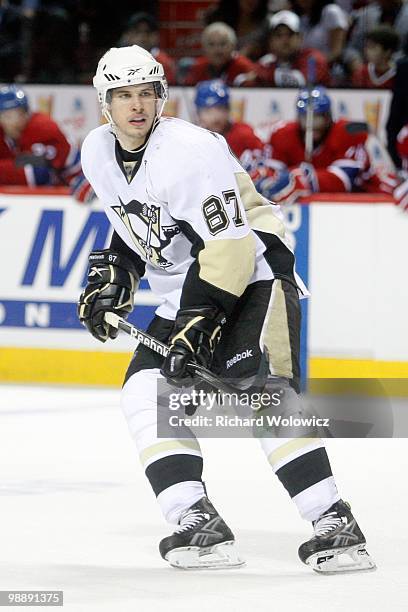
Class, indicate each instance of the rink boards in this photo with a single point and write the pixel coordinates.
(351, 253)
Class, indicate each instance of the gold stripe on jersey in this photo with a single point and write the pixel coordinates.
(290, 447)
(275, 333)
(228, 263)
(263, 220)
(249, 195)
(259, 214)
(170, 447)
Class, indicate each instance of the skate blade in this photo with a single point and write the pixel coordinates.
(352, 559)
(219, 556)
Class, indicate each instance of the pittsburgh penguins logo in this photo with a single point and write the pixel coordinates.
(143, 224)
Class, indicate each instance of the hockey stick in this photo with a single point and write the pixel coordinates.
(162, 349)
(311, 78)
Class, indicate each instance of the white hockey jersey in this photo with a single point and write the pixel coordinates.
(191, 213)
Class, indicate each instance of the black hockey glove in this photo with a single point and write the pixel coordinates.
(112, 282)
(195, 335)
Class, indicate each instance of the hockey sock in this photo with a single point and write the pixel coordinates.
(174, 500)
(303, 467)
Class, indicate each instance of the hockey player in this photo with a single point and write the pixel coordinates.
(401, 191)
(345, 156)
(187, 215)
(212, 102)
(33, 149)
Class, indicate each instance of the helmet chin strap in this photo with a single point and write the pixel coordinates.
(160, 102)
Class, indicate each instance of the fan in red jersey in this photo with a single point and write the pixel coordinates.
(345, 156)
(286, 64)
(212, 101)
(379, 70)
(221, 61)
(33, 149)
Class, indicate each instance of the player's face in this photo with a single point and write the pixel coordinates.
(13, 122)
(133, 109)
(374, 52)
(218, 48)
(215, 119)
(321, 124)
(283, 42)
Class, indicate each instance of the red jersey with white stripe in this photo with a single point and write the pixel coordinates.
(293, 73)
(366, 76)
(41, 156)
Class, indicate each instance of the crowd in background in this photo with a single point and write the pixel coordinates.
(244, 42)
(261, 43)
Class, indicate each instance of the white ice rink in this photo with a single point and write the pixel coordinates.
(76, 514)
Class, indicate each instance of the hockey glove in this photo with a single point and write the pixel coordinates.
(281, 185)
(81, 189)
(401, 196)
(112, 282)
(196, 333)
(39, 167)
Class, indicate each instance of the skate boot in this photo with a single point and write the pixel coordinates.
(202, 540)
(338, 544)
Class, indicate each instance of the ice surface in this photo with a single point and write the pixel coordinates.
(77, 515)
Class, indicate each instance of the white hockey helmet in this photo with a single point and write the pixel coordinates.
(121, 66)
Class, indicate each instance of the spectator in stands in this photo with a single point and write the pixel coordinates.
(379, 69)
(382, 12)
(33, 150)
(324, 26)
(286, 64)
(344, 156)
(398, 116)
(46, 21)
(221, 61)
(11, 44)
(247, 19)
(142, 29)
(212, 102)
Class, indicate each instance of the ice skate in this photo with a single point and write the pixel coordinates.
(202, 541)
(338, 544)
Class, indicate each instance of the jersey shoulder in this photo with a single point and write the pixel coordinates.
(241, 127)
(42, 126)
(181, 140)
(283, 130)
(96, 147)
(98, 137)
(348, 133)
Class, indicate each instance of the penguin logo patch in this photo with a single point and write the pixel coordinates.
(142, 222)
